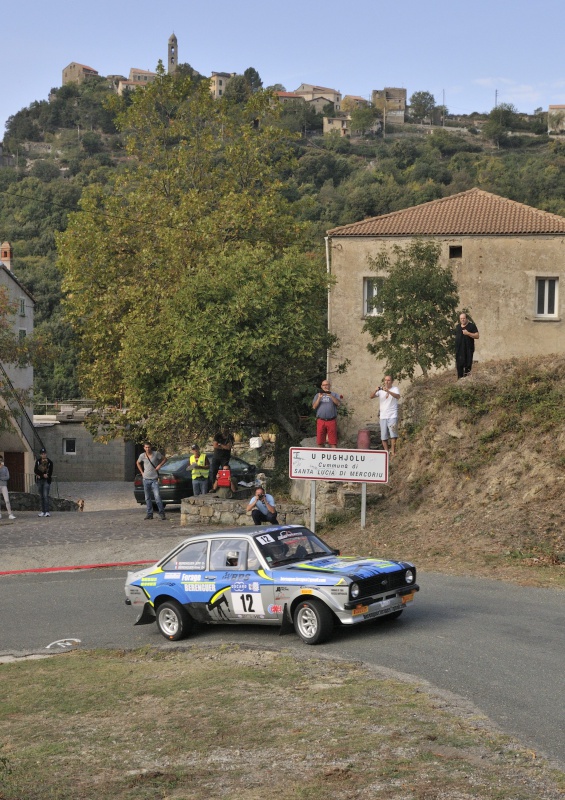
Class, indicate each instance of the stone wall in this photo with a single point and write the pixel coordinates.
(90, 461)
(213, 510)
(31, 501)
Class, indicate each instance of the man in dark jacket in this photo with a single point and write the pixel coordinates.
(465, 334)
(43, 471)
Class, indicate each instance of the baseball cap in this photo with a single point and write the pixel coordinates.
(195, 447)
(43, 450)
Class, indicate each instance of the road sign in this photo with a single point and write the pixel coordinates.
(329, 464)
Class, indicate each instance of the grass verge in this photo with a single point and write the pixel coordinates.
(227, 722)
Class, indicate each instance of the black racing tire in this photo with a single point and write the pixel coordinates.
(173, 621)
(313, 621)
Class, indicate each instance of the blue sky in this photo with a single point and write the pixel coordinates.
(458, 50)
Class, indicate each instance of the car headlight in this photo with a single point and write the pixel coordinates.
(409, 576)
(354, 591)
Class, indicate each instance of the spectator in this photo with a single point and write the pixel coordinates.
(43, 471)
(149, 463)
(262, 507)
(200, 467)
(465, 334)
(4, 478)
(326, 404)
(223, 443)
(389, 396)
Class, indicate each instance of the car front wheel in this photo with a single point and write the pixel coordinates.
(173, 621)
(313, 621)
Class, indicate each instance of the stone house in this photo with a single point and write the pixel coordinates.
(20, 442)
(319, 96)
(219, 81)
(392, 102)
(78, 73)
(508, 260)
(341, 124)
(75, 454)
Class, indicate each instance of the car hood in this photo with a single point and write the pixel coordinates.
(329, 568)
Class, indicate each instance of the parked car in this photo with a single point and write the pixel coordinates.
(175, 481)
(282, 575)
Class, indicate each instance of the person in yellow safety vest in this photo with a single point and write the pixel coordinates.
(200, 471)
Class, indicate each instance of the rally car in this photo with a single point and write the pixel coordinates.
(282, 575)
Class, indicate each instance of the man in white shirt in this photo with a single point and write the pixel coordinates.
(389, 396)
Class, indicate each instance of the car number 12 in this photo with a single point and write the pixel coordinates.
(248, 603)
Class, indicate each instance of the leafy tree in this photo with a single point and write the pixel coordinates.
(187, 283)
(276, 87)
(363, 118)
(91, 142)
(238, 90)
(299, 117)
(422, 105)
(419, 299)
(253, 79)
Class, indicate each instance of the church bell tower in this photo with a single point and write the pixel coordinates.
(173, 59)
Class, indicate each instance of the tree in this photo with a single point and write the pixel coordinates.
(363, 118)
(238, 90)
(422, 105)
(188, 283)
(419, 300)
(253, 79)
(276, 87)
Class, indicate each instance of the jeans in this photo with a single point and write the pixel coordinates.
(44, 488)
(150, 487)
(199, 486)
(259, 517)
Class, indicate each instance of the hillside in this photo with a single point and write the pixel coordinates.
(478, 484)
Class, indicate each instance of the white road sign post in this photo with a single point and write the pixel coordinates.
(347, 466)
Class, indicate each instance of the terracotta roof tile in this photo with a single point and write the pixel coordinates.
(474, 212)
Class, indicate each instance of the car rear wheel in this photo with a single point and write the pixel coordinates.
(173, 620)
(313, 621)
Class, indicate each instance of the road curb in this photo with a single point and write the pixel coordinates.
(81, 566)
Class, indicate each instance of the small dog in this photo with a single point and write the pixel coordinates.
(80, 504)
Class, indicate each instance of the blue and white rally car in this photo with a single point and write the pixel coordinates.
(281, 575)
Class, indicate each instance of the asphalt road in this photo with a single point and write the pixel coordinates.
(499, 646)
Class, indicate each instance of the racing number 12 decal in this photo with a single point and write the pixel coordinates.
(247, 602)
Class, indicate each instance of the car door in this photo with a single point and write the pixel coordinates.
(243, 591)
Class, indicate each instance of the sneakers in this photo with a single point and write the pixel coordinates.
(148, 516)
(162, 516)
(41, 514)
(11, 516)
(47, 514)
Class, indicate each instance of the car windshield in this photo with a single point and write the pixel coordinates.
(290, 545)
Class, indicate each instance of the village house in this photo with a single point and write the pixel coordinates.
(319, 96)
(78, 73)
(508, 260)
(20, 442)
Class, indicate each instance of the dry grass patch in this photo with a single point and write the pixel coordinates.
(228, 722)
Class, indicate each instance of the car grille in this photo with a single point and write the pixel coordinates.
(379, 584)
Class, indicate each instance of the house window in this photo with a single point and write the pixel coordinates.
(455, 251)
(546, 297)
(69, 447)
(22, 307)
(371, 289)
